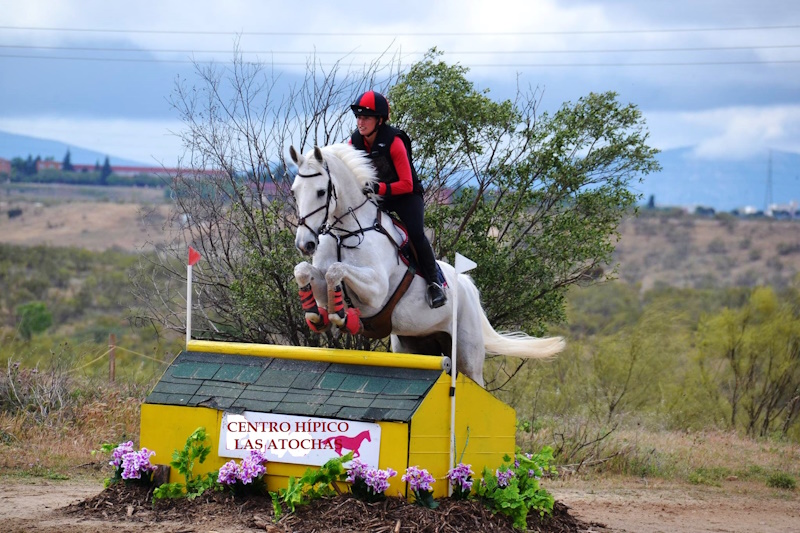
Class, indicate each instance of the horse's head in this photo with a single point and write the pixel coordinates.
(328, 190)
(315, 198)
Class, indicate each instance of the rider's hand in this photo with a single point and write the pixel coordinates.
(371, 188)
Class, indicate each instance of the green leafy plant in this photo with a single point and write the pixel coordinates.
(781, 480)
(315, 483)
(184, 461)
(513, 489)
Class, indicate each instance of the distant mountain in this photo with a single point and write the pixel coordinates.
(13, 145)
(723, 185)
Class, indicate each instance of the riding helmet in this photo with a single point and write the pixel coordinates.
(371, 104)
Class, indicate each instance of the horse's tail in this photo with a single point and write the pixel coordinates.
(517, 344)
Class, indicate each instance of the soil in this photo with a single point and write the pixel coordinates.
(28, 505)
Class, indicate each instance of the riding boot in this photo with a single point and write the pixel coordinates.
(434, 294)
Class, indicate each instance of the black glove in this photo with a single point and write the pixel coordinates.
(371, 188)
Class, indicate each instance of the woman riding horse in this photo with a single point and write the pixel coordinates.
(389, 149)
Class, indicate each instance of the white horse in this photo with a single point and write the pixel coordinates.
(356, 269)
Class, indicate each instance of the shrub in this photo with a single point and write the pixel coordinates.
(513, 489)
(780, 480)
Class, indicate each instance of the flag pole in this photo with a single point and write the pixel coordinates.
(194, 257)
(462, 264)
(188, 303)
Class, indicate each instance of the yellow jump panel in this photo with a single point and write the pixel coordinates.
(485, 430)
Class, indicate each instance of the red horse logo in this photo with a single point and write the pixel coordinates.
(343, 442)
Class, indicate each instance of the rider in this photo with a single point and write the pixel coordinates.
(390, 151)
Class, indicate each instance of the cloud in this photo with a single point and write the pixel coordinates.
(732, 133)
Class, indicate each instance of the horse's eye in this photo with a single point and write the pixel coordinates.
(320, 193)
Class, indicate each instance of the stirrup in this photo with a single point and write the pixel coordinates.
(435, 296)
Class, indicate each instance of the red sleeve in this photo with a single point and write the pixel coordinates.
(405, 185)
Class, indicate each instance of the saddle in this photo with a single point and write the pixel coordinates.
(379, 325)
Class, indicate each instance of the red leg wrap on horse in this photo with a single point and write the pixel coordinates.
(353, 321)
(323, 325)
(307, 299)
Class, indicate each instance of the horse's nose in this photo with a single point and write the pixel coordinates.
(309, 248)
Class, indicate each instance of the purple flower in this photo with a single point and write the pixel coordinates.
(134, 464)
(251, 469)
(460, 479)
(119, 452)
(376, 481)
(419, 480)
(504, 478)
(227, 474)
(357, 470)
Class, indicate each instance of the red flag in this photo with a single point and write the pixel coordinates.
(194, 256)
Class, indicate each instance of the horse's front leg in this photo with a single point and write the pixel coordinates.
(363, 282)
(313, 296)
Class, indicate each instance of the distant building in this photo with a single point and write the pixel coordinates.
(5, 166)
(47, 165)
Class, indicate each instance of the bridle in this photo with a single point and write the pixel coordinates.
(331, 193)
(333, 228)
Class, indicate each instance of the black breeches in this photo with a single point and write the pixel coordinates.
(410, 209)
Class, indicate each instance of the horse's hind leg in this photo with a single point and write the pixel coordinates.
(313, 295)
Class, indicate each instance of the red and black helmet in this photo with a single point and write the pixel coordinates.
(371, 104)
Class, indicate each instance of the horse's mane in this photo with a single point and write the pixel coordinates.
(363, 172)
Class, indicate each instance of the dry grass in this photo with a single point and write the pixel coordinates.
(695, 252)
(63, 442)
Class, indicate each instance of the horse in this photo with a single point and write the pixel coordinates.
(355, 270)
(343, 442)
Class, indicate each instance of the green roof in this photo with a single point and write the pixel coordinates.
(238, 383)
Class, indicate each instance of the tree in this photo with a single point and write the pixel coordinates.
(34, 317)
(750, 357)
(66, 165)
(536, 200)
(105, 172)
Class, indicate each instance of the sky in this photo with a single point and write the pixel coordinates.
(720, 77)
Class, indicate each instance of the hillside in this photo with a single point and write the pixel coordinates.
(658, 247)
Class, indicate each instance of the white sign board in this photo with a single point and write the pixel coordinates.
(298, 440)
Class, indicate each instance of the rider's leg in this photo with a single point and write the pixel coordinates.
(410, 209)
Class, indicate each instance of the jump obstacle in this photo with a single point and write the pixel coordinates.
(297, 404)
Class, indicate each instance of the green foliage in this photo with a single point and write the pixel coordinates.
(34, 317)
(708, 476)
(521, 493)
(195, 450)
(315, 484)
(749, 362)
(781, 480)
(538, 197)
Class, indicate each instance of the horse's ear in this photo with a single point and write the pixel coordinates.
(318, 154)
(294, 155)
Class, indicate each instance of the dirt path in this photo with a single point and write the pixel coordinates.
(624, 506)
(736, 507)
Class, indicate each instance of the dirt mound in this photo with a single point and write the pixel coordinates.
(133, 503)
